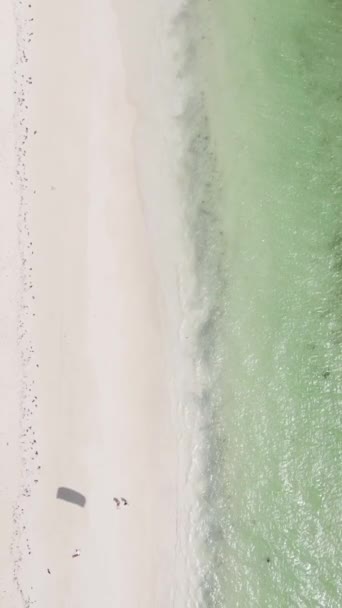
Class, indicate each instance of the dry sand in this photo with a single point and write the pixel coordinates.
(87, 388)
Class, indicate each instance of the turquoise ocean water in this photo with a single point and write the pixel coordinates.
(265, 210)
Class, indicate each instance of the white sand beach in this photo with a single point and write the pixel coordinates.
(88, 386)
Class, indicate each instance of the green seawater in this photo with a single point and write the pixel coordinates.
(269, 248)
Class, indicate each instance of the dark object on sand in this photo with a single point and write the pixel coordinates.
(71, 496)
(124, 501)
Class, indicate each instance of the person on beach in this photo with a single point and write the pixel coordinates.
(77, 553)
(124, 501)
(117, 502)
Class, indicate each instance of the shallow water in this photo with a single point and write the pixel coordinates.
(268, 231)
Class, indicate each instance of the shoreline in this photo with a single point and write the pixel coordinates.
(101, 411)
